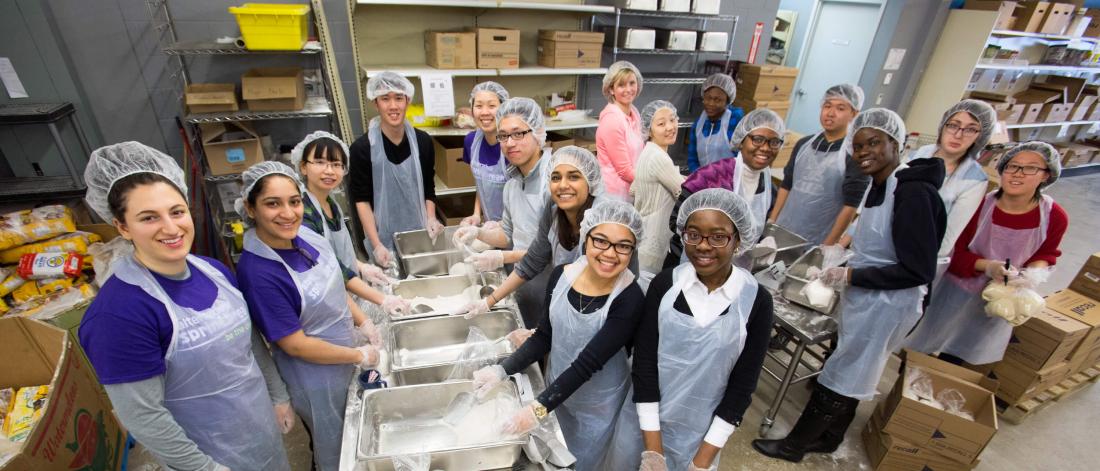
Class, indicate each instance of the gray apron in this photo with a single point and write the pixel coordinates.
(716, 146)
(817, 195)
(398, 189)
(340, 240)
(489, 180)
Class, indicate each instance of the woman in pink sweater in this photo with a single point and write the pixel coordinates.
(619, 138)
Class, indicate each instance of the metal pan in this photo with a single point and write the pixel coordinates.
(450, 285)
(797, 279)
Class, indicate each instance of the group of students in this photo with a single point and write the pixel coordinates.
(629, 276)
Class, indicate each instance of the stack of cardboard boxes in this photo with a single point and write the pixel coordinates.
(909, 435)
(482, 48)
(1036, 17)
(765, 86)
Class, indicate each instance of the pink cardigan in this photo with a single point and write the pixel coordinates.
(619, 141)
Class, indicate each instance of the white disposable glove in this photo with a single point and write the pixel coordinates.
(373, 274)
(284, 417)
(464, 235)
(488, 378)
(488, 260)
(382, 256)
(475, 309)
(653, 461)
(832, 255)
(522, 421)
(471, 220)
(370, 331)
(434, 229)
(835, 277)
(995, 270)
(491, 226)
(370, 356)
(395, 306)
(518, 336)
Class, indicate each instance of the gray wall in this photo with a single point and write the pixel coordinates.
(911, 25)
(805, 9)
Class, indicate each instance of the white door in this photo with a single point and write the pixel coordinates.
(835, 53)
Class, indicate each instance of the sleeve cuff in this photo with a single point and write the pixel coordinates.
(719, 432)
(649, 416)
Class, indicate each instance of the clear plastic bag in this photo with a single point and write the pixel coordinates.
(412, 462)
(105, 253)
(918, 385)
(478, 351)
(1014, 302)
(954, 403)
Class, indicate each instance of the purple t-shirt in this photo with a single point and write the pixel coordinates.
(487, 155)
(273, 299)
(126, 331)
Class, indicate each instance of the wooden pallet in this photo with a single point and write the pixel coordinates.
(1016, 414)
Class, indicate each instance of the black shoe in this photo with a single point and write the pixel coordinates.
(825, 444)
(780, 449)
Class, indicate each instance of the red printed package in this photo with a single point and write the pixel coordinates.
(36, 266)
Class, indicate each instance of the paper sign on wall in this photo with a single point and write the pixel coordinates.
(893, 59)
(11, 79)
(439, 97)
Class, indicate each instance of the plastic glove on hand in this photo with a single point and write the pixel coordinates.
(435, 228)
(492, 226)
(284, 417)
(488, 378)
(522, 421)
(832, 256)
(475, 309)
(464, 235)
(996, 271)
(395, 306)
(692, 467)
(488, 260)
(370, 331)
(653, 461)
(835, 278)
(373, 274)
(471, 220)
(382, 256)
(370, 356)
(518, 336)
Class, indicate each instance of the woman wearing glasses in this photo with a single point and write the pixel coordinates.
(964, 131)
(594, 309)
(1017, 224)
(700, 346)
(296, 295)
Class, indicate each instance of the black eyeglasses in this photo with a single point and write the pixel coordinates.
(953, 128)
(759, 141)
(324, 164)
(715, 240)
(1011, 169)
(513, 136)
(621, 248)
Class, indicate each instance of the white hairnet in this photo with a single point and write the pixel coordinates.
(109, 164)
(651, 109)
(983, 113)
(760, 118)
(1051, 155)
(881, 119)
(582, 160)
(611, 211)
(491, 87)
(724, 82)
(847, 92)
(527, 111)
(389, 82)
(255, 173)
(610, 75)
(298, 152)
(729, 203)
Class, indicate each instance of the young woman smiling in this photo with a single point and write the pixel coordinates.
(656, 184)
(169, 334)
(594, 308)
(619, 136)
(481, 150)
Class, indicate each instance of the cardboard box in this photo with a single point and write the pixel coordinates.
(1077, 154)
(636, 38)
(449, 166)
(1016, 113)
(1093, 30)
(957, 438)
(1019, 383)
(1087, 281)
(1045, 340)
(1083, 309)
(1055, 112)
(1082, 107)
(1029, 16)
(77, 429)
(210, 97)
(1038, 94)
(557, 140)
(1073, 85)
(230, 147)
(675, 5)
(784, 154)
(1004, 11)
(1057, 18)
(765, 82)
(451, 50)
(497, 48)
(569, 48)
(1030, 113)
(706, 7)
(274, 89)
(780, 107)
(889, 453)
(677, 40)
(713, 41)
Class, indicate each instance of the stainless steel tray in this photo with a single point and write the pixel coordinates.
(419, 256)
(426, 350)
(405, 420)
(797, 279)
(449, 285)
(789, 246)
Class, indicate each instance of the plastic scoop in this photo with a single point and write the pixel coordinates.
(485, 290)
(422, 309)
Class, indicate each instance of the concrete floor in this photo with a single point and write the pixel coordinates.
(1057, 438)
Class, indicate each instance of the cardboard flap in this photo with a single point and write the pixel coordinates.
(212, 133)
(928, 363)
(37, 345)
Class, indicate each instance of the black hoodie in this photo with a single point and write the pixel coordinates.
(918, 231)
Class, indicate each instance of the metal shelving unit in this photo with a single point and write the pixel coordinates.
(316, 107)
(703, 21)
(523, 71)
(502, 4)
(1045, 125)
(1037, 67)
(1051, 37)
(674, 79)
(551, 125)
(211, 48)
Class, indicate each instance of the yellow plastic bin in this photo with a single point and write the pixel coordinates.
(273, 27)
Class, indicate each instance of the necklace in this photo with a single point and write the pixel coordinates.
(585, 305)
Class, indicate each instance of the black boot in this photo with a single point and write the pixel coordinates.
(845, 411)
(814, 421)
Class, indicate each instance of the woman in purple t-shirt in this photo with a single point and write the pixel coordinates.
(482, 151)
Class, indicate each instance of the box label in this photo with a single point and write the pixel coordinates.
(234, 155)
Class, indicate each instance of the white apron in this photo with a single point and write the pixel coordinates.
(398, 189)
(716, 146)
(817, 195)
(489, 180)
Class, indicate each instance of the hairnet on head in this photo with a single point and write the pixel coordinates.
(651, 109)
(527, 111)
(881, 119)
(980, 111)
(298, 152)
(389, 82)
(847, 92)
(255, 173)
(491, 87)
(724, 82)
(727, 202)
(614, 70)
(1051, 155)
(109, 164)
(760, 118)
(611, 211)
(582, 160)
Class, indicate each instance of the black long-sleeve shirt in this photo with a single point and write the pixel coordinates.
(743, 377)
(622, 321)
(361, 182)
(855, 182)
(918, 225)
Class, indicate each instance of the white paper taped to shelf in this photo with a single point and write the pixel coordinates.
(11, 79)
(893, 59)
(438, 94)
